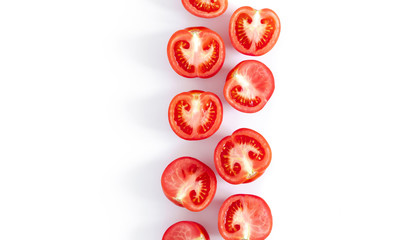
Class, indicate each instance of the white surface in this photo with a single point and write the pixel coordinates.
(84, 136)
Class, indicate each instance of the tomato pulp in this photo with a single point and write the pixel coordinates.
(249, 86)
(242, 157)
(206, 8)
(186, 230)
(196, 52)
(254, 32)
(244, 216)
(189, 183)
(195, 115)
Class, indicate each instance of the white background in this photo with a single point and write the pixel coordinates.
(84, 137)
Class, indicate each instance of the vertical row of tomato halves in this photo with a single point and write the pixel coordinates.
(194, 115)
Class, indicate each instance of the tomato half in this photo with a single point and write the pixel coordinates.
(195, 115)
(254, 32)
(196, 52)
(244, 216)
(206, 8)
(186, 230)
(242, 157)
(189, 183)
(249, 86)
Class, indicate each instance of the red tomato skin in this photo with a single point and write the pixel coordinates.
(269, 80)
(171, 168)
(189, 7)
(260, 167)
(195, 230)
(185, 34)
(251, 52)
(216, 125)
(262, 207)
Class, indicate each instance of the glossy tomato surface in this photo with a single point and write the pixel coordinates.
(254, 32)
(186, 230)
(206, 8)
(244, 216)
(196, 52)
(195, 115)
(189, 183)
(242, 157)
(249, 86)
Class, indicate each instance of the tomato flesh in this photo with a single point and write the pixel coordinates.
(206, 8)
(244, 216)
(249, 86)
(189, 183)
(242, 157)
(254, 32)
(195, 115)
(196, 52)
(186, 230)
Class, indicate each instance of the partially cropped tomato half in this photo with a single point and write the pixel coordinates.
(244, 216)
(196, 52)
(186, 230)
(189, 183)
(249, 86)
(195, 115)
(206, 8)
(254, 32)
(242, 157)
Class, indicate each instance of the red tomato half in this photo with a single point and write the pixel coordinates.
(254, 32)
(249, 86)
(244, 216)
(186, 230)
(189, 183)
(242, 157)
(195, 115)
(204, 8)
(196, 52)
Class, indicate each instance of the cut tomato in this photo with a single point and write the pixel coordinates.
(196, 52)
(254, 32)
(195, 115)
(249, 86)
(206, 8)
(244, 216)
(186, 230)
(189, 183)
(242, 157)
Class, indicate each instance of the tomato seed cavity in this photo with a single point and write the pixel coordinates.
(233, 208)
(269, 30)
(178, 117)
(180, 58)
(235, 94)
(226, 160)
(240, 31)
(210, 112)
(208, 65)
(211, 6)
(200, 196)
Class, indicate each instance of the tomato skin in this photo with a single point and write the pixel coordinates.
(196, 52)
(253, 78)
(249, 46)
(186, 122)
(189, 183)
(186, 230)
(251, 154)
(255, 223)
(190, 7)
